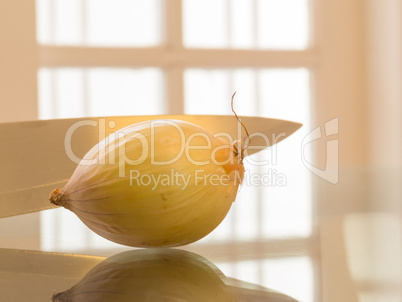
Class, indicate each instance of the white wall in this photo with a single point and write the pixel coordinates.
(18, 61)
(384, 81)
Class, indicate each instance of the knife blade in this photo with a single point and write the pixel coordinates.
(36, 158)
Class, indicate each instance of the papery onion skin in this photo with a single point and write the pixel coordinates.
(136, 214)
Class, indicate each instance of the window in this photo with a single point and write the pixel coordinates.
(106, 57)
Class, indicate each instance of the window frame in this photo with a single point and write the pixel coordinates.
(173, 58)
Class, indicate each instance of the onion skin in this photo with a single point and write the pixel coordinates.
(151, 275)
(140, 215)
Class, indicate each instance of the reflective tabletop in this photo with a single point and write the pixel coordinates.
(337, 242)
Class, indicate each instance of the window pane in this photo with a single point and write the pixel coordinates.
(285, 200)
(205, 23)
(258, 24)
(209, 91)
(99, 22)
(79, 92)
(285, 94)
(282, 24)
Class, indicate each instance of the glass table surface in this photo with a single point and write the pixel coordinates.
(353, 252)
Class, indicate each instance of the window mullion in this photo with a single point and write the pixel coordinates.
(173, 21)
(165, 57)
(174, 87)
(174, 44)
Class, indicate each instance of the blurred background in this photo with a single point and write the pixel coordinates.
(309, 61)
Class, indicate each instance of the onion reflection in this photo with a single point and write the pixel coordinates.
(160, 275)
(151, 275)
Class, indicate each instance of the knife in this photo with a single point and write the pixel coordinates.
(39, 156)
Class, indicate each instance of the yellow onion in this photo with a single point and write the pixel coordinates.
(115, 189)
(151, 275)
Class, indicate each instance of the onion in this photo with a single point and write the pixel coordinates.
(151, 275)
(155, 183)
